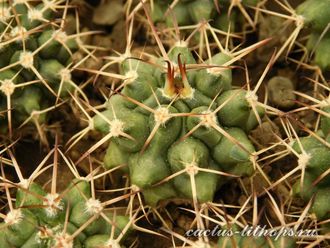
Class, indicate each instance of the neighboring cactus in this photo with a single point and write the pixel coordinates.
(35, 61)
(194, 11)
(316, 180)
(319, 45)
(256, 242)
(314, 16)
(71, 219)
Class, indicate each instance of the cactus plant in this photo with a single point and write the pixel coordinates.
(68, 222)
(181, 139)
(73, 218)
(36, 62)
(179, 126)
(184, 13)
(316, 164)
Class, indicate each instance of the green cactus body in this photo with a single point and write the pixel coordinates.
(316, 14)
(78, 190)
(212, 82)
(236, 110)
(118, 223)
(37, 53)
(153, 195)
(19, 232)
(154, 168)
(103, 238)
(308, 143)
(206, 184)
(318, 160)
(100, 241)
(30, 100)
(157, 12)
(319, 45)
(26, 199)
(178, 102)
(201, 10)
(307, 190)
(50, 70)
(223, 21)
(205, 132)
(115, 156)
(229, 154)
(183, 17)
(237, 240)
(3, 240)
(288, 242)
(184, 12)
(325, 122)
(52, 48)
(257, 242)
(318, 156)
(41, 227)
(246, 241)
(28, 60)
(195, 153)
(320, 205)
(322, 56)
(80, 215)
(194, 12)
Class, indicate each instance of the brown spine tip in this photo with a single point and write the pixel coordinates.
(169, 88)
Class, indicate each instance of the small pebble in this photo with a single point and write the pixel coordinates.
(280, 90)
